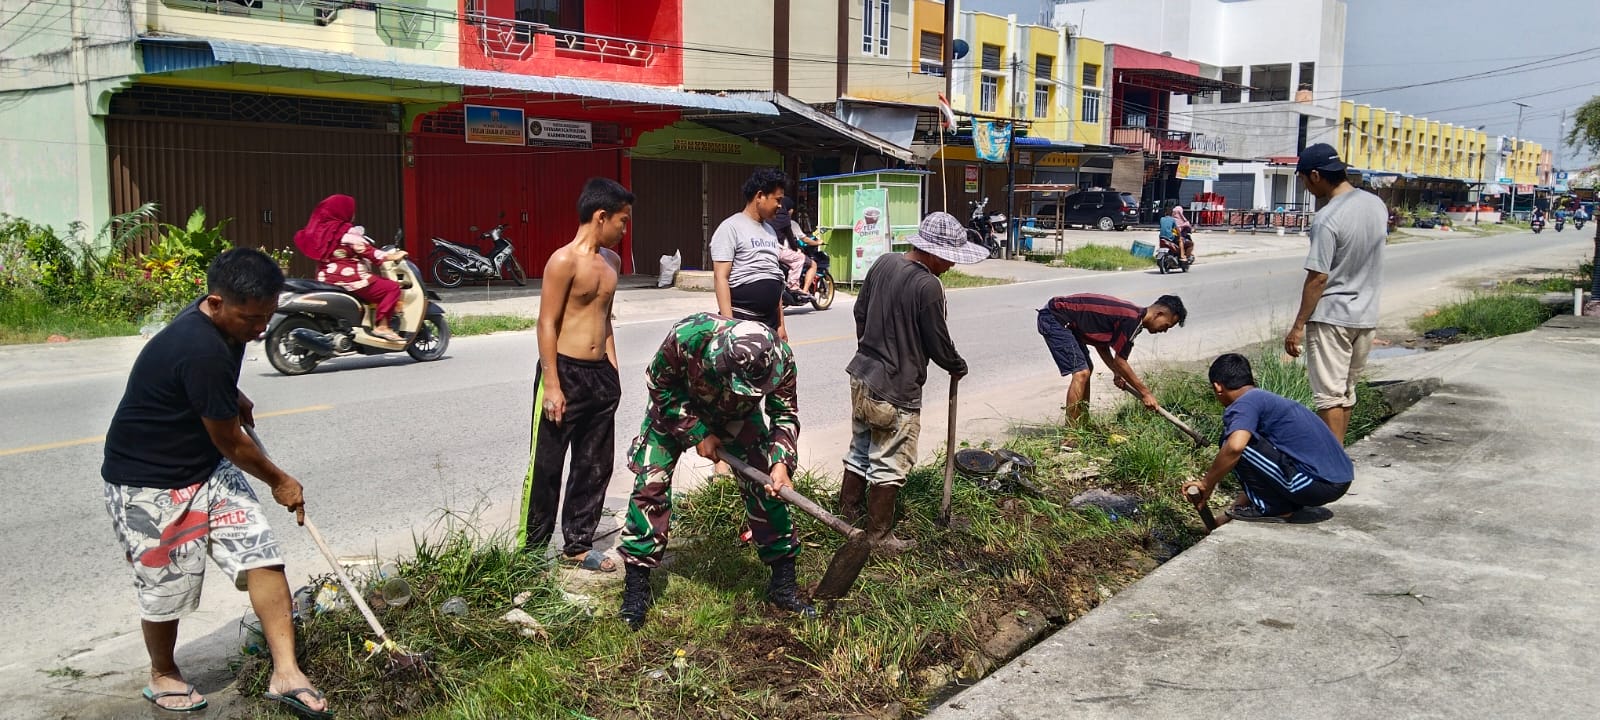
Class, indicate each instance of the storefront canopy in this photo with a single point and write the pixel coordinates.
(171, 54)
(799, 127)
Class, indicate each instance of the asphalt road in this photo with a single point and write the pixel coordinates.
(385, 446)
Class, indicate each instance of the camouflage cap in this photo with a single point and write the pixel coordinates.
(750, 357)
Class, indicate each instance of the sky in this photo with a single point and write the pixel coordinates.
(1390, 43)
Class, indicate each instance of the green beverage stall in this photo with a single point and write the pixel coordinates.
(862, 215)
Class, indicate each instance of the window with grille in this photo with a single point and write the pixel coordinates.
(875, 27)
(991, 57)
(988, 94)
(1043, 78)
(932, 53)
(1091, 75)
(1091, 106)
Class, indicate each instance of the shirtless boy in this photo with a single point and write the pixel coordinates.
(576, 386)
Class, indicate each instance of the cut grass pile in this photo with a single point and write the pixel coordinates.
(1487, 315)
(461, 325)
(954, 279)
(1099, 257)
(29, 319)
(711, 649)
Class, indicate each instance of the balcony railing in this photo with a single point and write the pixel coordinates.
(1151, 139)
(314, 12)
(509, 39)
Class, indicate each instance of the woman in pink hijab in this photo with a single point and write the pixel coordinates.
(344, 257)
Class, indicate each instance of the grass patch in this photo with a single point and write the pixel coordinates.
(1487, 315)
(955, 279)
(712, 650)
(26, 318)
(1103, 257)
(485, 324)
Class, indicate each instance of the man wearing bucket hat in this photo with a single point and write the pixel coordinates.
(900, 326)
(716, 385)
(1338, 312)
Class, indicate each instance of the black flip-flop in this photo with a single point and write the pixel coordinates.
(155, 697)
(297, 707)
(1251, 513)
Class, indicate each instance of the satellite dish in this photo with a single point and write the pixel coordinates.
(960, 48)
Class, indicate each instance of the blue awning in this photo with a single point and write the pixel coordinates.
(171, 54)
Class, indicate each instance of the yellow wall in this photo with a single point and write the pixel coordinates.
(1381, 140)
(1088, 51)
(895, 78)
(1042, 41)
(987, 30)
(352, 31)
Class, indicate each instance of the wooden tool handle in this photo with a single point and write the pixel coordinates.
(1169, 417)
(949, 455)
(789, 495)
(1194, 496)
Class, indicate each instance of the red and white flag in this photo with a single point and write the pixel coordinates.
(948, 116)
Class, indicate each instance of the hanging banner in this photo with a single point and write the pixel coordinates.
(567, 133)
(991, 140)
(1193, 168)
(870, 237)
(488, 125)
(971, 179)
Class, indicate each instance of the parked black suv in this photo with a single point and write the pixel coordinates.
(1102, 209)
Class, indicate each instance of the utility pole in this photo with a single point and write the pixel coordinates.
(1516, 148)
(1011, 166)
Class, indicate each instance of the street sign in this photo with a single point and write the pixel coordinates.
(1505, 181)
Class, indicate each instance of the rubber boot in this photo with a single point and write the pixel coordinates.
(852, 497)
(635, 595)
(784, 592)
(880, 521)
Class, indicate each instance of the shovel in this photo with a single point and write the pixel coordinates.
(400, 660)
(949, 456)
(846, 564)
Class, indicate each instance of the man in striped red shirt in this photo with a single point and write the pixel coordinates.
(1072, 323)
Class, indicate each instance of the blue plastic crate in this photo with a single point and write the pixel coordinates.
(1140, 249)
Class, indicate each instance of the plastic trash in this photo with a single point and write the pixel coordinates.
(456, 607)
(670, 264)
(396, 591)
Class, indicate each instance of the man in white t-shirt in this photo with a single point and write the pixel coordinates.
(744, 255)
(1344, 270)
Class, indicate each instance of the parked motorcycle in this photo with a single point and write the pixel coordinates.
(316, 321)
(454, 262)
(822, 288)
(986, 228)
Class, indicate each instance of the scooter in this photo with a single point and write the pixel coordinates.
(1578, 222)
(1560, 223)
(986, 228)
(1536, 224)
(316, 321)
(1168, 261)
(453, 262)
(822, 289)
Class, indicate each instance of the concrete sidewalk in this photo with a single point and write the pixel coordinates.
(1455, 580)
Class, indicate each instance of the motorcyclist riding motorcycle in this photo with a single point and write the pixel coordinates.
(345, 258)
(1173, 227)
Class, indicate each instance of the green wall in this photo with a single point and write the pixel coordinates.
(40, 152)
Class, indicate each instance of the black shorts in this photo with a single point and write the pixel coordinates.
(759, 300)
(1070, 354)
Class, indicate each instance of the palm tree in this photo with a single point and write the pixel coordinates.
(1586, 134)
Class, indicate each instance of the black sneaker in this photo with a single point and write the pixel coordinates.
(1251, 513)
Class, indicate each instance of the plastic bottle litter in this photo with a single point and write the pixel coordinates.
(396, 591)
(456, 607)
(330, 598)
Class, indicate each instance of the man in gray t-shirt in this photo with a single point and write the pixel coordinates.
(744, 255)
(1344, 269)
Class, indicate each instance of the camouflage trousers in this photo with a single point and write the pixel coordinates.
(654, 456)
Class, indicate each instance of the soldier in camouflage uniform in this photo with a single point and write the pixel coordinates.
(717, 384)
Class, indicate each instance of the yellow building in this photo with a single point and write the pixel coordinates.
(1091, 96)
(1384, 141)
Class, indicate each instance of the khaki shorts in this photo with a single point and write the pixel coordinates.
(166, 536)
(1335, 357)
(883, 442)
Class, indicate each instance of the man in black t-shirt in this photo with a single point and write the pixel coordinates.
(175, 459)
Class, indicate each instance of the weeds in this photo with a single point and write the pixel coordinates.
(1487, 315)
(954, 279)
(28, 318)
(1102, 257)
(484, 324)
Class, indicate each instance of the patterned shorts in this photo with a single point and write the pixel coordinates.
(166, 536)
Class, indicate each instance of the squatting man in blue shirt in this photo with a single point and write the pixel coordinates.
(1284, 456)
